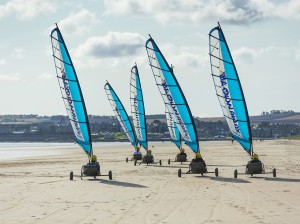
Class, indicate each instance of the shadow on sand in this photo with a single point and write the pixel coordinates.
(170, 166)
(229, 180)
(122, 184)
(278, 179)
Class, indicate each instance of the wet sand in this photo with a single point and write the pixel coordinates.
(38, 189)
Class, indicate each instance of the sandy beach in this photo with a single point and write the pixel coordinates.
(38, 189)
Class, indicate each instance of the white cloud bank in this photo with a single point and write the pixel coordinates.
(113, 44)
(230, 11)
(79, 22)
(9, 78)
(27, 9)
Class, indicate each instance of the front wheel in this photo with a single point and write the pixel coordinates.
(110, 175)
(216, 172)
(71, 175)
(274, 172)
(169, 161)
(126, 160)
(179, 173)
(235, 173)
(160, 162)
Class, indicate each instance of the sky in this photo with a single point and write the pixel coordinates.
(105, 39)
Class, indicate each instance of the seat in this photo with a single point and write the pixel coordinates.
(255, 168)
(91, 169)
(137, 156)
(198, 167)
(148, 159)
(181, 158)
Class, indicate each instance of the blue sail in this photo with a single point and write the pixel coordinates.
(138, 108)
(228, 89)
(120, 113)
(172, 95)
(173, 129)
(71, 91)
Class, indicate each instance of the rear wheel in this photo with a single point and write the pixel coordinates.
(169, 161)
(126, 160)
(110, 175)
(179, 173)
(217, 172)
(160, 162)
(235, 173)
(274, 172)
(135, 162)
(71, 175)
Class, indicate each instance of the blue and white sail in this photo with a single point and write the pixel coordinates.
(120, 113)
(172, 95)
(228, 89)
(71, 91)
(138, 108)
(173, 129)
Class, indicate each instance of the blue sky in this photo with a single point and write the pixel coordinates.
(106, 38)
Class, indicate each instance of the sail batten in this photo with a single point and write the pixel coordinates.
(172, 95)
(120, 113)
(138, 108)
(71, 92)
(229, 90)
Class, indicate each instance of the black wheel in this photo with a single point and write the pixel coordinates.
(201, 174)
(179, 173)
(217, 172)
(274, 172)
(71, 175)
(235, 173)
(126, 160)
(135, 162)
(251, 175)
(110, 175)
(160, 162)
(169, 161)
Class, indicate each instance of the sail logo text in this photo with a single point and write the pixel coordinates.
(228, 101)
(137, 118)
(175, 110)
(70, 102)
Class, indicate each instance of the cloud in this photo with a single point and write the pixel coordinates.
(45, 76)
(10, 78)
(244, 55)
(113, 44)
(79, 22)
(2, 61)
(228, 11)
(18, 53)
(27, 9)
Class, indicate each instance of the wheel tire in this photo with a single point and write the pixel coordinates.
(71, 175)
(216, 172)
(160, 162)
(201, 174)
(251, 175)
(169, 161)
(235, 174)
(126, 160)
(179, 173)
(110, 175)
(135, 162)
(274, 172)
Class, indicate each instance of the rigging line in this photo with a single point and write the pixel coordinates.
(215, 38)
(77, 101)
(220, 59)
(61, 60)
(159, 68)
(225, 77)
(69, 80)
(232, 119)
(229, 98)
(56, 39)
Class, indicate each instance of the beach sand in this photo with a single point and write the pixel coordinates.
(38, 189)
